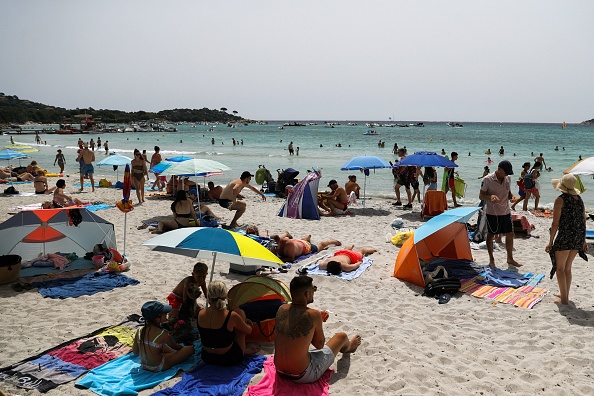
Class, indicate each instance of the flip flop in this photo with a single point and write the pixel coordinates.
(444, 298)
(17, 287)
(27, 286)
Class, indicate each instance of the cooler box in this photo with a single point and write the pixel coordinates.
(10, 268)
(244, 269)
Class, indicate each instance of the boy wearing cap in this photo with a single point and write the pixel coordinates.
(336, 199)
(228, 199)
(496, 193)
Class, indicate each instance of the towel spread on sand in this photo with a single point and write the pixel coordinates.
(96, 207)
(86, 285)
(272, 384)
(124, 376)
(524, 297)
(207, 379)
(314, 269)
(78, 264)
(68, 361)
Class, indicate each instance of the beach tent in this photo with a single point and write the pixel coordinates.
(302, 202)
(257, 288)
(37, 232)
(443, 236)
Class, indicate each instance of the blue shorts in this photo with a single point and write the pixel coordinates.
(87, 169)
(320, 361)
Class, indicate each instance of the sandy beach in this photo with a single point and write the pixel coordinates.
(411, 344)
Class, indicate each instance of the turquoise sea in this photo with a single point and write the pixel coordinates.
(267, 145)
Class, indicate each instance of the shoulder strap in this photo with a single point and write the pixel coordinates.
(160, 334)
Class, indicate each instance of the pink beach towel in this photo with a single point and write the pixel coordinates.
(272, 384)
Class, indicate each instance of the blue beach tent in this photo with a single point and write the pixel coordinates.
(302, 202)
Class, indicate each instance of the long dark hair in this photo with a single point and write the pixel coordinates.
(180, 196)
(144, 333)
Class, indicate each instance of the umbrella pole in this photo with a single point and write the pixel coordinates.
(125, 219)
(214, 258)
(364, 187)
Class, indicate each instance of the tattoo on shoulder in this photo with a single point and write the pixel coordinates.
(294, 323)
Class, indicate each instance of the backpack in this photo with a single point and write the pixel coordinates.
(529, 181)
(11, 191)
(438, 287)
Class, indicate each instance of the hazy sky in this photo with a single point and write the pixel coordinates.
(423, 60)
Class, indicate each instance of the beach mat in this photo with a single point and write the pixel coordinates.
(314, 269)
(78, 264)
(68, 361)
(272, 384)
(206, 379)
(524, 297)
(125, 376)
(86, 285)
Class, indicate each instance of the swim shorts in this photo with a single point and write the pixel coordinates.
(320, 361)
(307, 247)
(499, 224)
(403, 181)
(451, 183)
(87, 169)
(355, 257)
(174, 300)
(225, 203)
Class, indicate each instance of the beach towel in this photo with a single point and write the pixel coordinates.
(589, 234)
(78, 264)
(96, 207)
(524, 297)
(314, 269)
(206, 379)
(272, 384)
(124, 376)
(541, 213)
(83, 286)
(68, 361)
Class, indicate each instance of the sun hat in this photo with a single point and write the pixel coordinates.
(566, 184)
(506, 166)
(152, 309)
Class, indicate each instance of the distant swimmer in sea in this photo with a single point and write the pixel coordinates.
(443, 152)
(488, 152)
(501, 151)
(556, 148)
(489, 161)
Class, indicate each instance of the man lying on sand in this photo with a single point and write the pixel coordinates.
(345, 260)
(288, 249)
(298, 326)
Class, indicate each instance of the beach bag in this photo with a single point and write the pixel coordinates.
(529, 181)
(104, 183)
(208, 221)
(401, 237)
(438, 287)
(10, 268)
(11, 191)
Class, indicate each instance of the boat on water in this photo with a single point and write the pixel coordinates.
(455, 125)
(371, 132)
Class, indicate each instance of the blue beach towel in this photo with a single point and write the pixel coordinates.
(590, 234)
(503, 278)
(124, 376)
(94, 208)
(86, 285)
(314, 269)
(207, 379)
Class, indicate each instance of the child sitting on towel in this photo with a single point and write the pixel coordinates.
(110, 253)
(345, 260)
(183, 297)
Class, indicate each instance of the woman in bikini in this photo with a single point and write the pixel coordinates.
(40, 184)
(139, 170)
(61, 161)
(157, 350)
(182, 209)
(62, 200)
(222, 331)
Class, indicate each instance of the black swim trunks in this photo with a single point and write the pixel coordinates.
(225, 203)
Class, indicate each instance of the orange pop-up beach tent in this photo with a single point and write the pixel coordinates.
(444, 236)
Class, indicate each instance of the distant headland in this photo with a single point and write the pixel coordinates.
(589, 122)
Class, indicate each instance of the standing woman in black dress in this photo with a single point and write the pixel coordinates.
(569, 223)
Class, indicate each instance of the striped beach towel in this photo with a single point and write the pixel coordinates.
(524, 297)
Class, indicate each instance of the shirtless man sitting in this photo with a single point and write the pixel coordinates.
(345, 260)
(336, 199)
(214, 192)
(231, 192)
(298, 326)
(288, 249)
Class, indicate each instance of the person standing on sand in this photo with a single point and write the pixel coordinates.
(569, 223)
(298, 327)
(86, 158)
(156, 159)
(495, 192)
(228, 198)
(61, 161)
(452, 179)
(520, 183)
(403, 177)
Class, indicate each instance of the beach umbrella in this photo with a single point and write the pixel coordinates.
(195, 167)
(115, 160)
(457, 215)
(583, 167)
(179, 158)
(8, 155)
(426, 158)
(206, 243)
(161, 166)
(364, 163)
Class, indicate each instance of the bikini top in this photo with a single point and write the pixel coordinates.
(184, 215)
(138, 167)
(217, 338)
(152, 343)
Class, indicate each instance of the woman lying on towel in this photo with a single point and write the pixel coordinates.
(157, 350)
(222, 331)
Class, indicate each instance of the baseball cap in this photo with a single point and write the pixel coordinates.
(506, 166)
(245, 175)
(332, 182)
(193, 191)
(151, 309)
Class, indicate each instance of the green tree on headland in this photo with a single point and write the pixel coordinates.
(15, 110)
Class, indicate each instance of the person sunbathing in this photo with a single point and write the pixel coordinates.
(61, 200)
(184, 295)
(183, 210)
(288, 249)
(345, 260)
(157, 351)
(222, 331)
(7, 176)
(40, 183)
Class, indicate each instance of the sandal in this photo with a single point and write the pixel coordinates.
(27, 286)
(17, 287)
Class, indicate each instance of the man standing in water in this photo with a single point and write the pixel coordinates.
(298, 327)
(86, 166)
(228, 199)
(291, 151)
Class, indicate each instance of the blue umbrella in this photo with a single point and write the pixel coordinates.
(426, 158)
(364, 163)
(179, 158)
(8, 154)
(457, 215)
(161, 166)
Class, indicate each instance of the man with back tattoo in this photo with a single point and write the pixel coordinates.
(298, 326)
